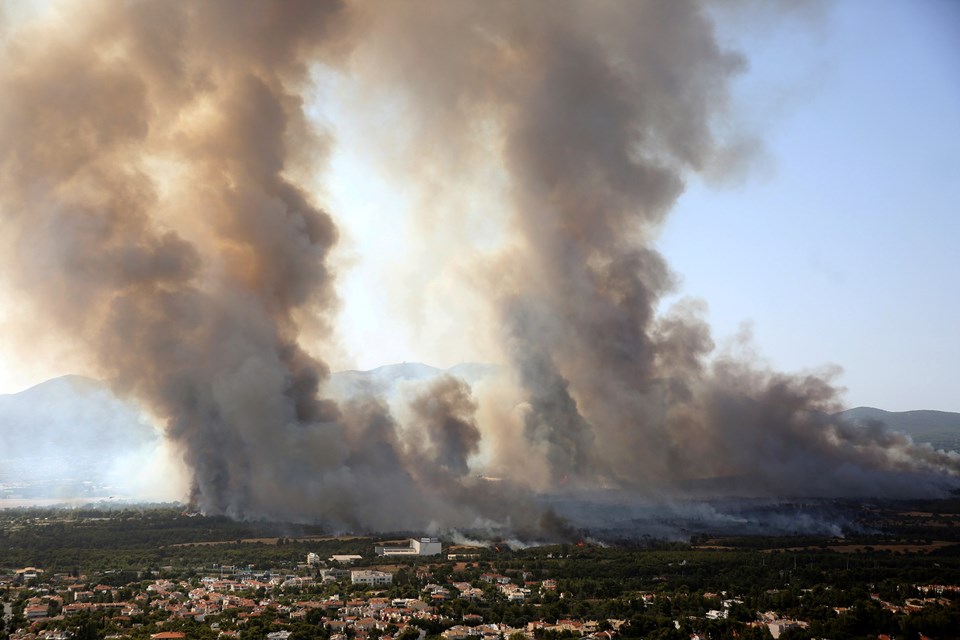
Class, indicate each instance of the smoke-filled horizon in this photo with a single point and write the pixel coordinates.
(161, 184)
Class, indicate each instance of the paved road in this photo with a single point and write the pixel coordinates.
(7, 611)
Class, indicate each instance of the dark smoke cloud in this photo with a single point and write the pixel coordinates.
(445, 411)
(153, 158)
(149, 163)
(598, 112)
(145, 151)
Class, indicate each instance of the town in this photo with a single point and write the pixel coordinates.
(362, 588)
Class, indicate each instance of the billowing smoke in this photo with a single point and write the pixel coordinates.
(147, 153)
(445, 412)
(155, 163)
(596, 113)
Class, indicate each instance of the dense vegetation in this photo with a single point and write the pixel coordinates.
(652, 586)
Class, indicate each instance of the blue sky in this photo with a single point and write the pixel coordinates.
(841, 246)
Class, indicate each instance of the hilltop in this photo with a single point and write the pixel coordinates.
(72, 437)
(941, 429)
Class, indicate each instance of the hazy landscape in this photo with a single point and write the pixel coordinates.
(71, 441)
(659, 251)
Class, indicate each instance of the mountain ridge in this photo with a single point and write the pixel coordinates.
(68, 403)
(940, 429)
(71, 436)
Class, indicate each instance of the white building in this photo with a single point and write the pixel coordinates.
(313, 559)
(426, 546)
(332, 575)
(345, 559)
(415, 547)
(372, 578)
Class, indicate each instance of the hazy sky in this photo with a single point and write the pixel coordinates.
(838, 247)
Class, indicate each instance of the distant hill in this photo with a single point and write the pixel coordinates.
(69, 414)
(941, 429)
(75, 414)
(72, 436)
(385, 380)
(377, 382)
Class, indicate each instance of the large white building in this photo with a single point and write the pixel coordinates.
(415, 547)
(426, 546)
(372, 578)
(345, 559)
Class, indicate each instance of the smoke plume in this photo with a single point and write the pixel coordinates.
(597, 113)
(445, 412)
(155, 163)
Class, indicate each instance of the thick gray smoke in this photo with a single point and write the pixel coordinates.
(153, 157)
(146, 150)
(445, 411)
(597, 112)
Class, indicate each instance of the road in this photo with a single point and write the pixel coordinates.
(7, 613)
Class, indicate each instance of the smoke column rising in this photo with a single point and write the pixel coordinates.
(153, 158)
(597, 112)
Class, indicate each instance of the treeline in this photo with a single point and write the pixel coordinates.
(96, 541)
